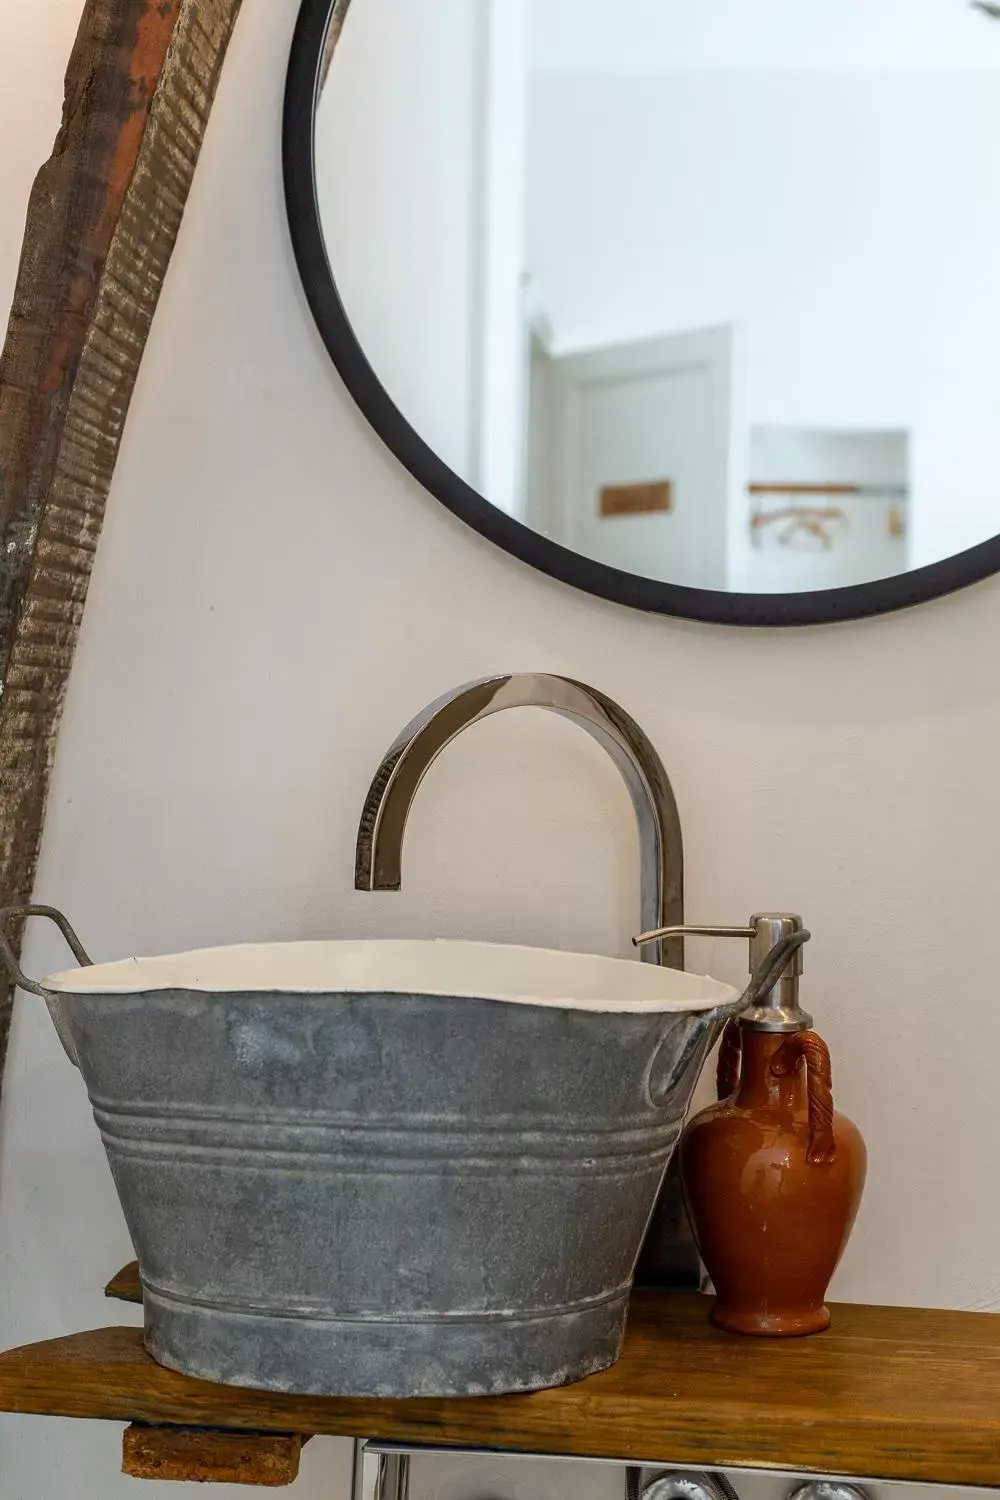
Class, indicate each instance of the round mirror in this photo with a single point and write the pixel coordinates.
(691, 305)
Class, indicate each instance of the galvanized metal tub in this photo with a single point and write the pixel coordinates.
(387, 1169)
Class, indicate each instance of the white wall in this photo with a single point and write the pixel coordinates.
(33, 55)
(273, 598)
(845, 221)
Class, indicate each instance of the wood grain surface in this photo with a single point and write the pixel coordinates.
(204, 1456)
(889, 1393)
(101, 225)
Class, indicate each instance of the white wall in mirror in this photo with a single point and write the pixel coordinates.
(818, 181)
(398, 169)
(643, 36)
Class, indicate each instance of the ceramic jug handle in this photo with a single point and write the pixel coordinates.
(808, 1047)
(13, 967)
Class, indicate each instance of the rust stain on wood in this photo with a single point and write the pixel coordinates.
(102, 220)
(204, 1456)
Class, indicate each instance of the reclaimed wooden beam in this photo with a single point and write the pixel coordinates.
(102, 221)
(887, 1393)
(207, 1456)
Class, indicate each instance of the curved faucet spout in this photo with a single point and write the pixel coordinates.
(387, 806)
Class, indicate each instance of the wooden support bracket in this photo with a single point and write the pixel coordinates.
(211, 1456)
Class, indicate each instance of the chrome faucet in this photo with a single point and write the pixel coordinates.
(670, 1257)
(387, 806)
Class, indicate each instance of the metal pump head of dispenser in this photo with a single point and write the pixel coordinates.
(777, 1011)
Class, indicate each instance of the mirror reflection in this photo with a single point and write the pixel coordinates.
(706, 292)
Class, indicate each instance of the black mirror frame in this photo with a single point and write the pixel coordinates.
(309, 56)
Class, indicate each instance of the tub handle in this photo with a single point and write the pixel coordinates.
(765, 975)
(11, 964)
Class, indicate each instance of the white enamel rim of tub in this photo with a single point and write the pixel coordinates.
(433, 966)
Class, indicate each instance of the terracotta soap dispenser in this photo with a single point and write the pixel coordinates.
(772, 1174)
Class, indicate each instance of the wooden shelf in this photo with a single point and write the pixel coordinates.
(888, 1393)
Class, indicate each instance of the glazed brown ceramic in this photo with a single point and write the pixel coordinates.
(773, 1177)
